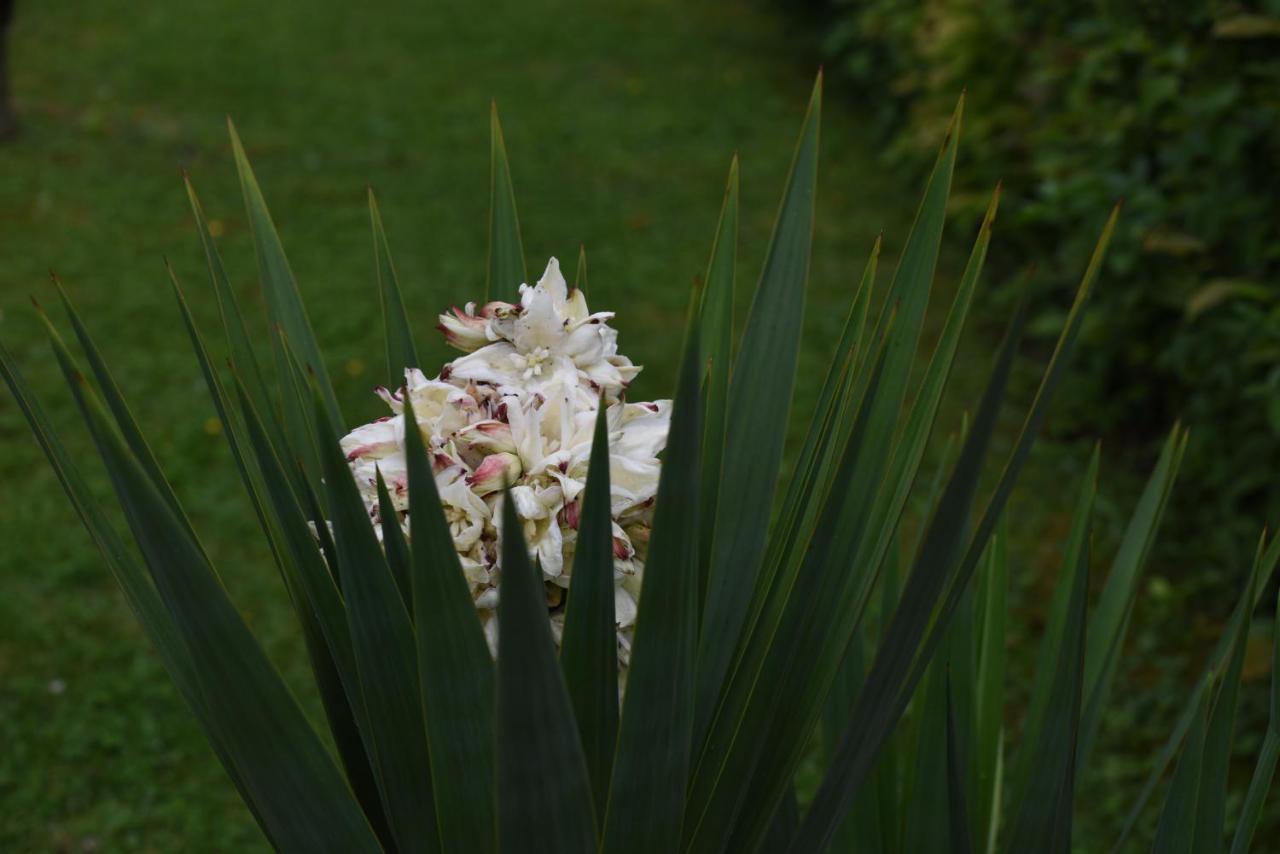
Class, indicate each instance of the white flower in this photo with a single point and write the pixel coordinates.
(520, 408)
(549, 336)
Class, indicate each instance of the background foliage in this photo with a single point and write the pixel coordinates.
(1173, 107)
(100, 750)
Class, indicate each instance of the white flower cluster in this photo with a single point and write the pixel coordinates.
(521, 407)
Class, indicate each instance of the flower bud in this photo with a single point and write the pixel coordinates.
(464, 329)
(495, 472)
(487, 437)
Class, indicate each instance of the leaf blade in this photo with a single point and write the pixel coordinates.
(1110, 620)
(647, 795)
(760, 391)
(1176, 829)
(384, 650)
(1270, 559)
(1056, 626)
(139, 592)
(455, 670)
(396, 330)
(1268, 756)
(958, 812)
(1042, 822)
(284, 303)
(297, 562)
(537, 812)
(716, 320)
(295, 788)
(1211, 805)
(589, 646)
(239, 344)
(506, 251)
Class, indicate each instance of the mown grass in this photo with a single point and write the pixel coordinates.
(620, 123)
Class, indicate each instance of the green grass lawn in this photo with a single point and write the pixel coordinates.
(620, 124)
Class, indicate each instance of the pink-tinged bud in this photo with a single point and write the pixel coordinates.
(639, 536)
(373, 441)
(499, 310)
(393, 398)
(463, 329)
(621, 550)
(571, 514)
(488, 437)
(440, 461)
(492, 474)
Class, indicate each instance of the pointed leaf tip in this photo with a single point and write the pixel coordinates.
(506, 250)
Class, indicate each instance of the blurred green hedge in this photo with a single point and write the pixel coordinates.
(1172, 106)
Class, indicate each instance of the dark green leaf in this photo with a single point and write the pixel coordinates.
(314, 576)
(993, 586)
(928, 795)
(760, 395)
(239, 343)
(1043, 818)
(812, 481)
(893, 759)
(1212, 802)
(385, 651)
(1176, 829)
(783, 827)
(125, 422)
(1055, 628)
(506, 252)
(862, 826)
(393, 542)
(886, 710)
(284, 303)
(589, 646)
(301, 445)
(839, 533)
(716, 319)
(647, 794)
(396, 329)
(1267, 566)
(909, 451)
(324, 600)
(132, 577)
(891, 682)
(1108, 625)
(296, 790)
(544, 793)
(455, 669)
(293, 558)
(1265, 768)
(728, 754)
(957, 811)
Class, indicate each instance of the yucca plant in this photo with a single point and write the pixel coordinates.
(774, 630)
